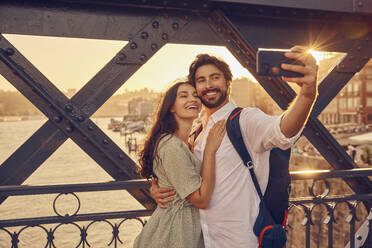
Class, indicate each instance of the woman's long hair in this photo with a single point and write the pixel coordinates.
(164, 124)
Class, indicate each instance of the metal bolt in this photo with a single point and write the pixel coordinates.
(69, 129)
(143, 57)
(317, 134)
(154, 46)
(175, 26)
(164, 36)
(105, 141)
(121, 156)
(229, 41)
(57, 118)
(122, 56)
(281, 92)
(9, 51)
(69, 107)
(90, 127)
(342, 66)
(81, 118)
(155, 24)
(144, 35)
(133, 45)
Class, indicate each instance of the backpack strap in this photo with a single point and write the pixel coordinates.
(236, 138)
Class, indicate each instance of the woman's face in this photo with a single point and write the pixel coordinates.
(187, 104)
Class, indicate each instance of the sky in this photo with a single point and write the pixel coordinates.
(70, 62)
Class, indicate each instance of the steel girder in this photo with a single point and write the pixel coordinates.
(242, 28)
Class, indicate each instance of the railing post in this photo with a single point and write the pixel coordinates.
(329, 220)
(307, 222)
(351, 220)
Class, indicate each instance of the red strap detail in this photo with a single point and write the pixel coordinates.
(232, 117)
(262, 234)
(285, 217)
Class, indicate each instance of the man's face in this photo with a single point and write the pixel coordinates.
(211, 86)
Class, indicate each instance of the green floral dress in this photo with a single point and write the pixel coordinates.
(178, 226)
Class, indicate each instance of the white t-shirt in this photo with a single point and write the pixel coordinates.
(228, 220)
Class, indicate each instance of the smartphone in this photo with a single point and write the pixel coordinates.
(269, 63)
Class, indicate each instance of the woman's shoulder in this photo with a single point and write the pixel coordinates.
(168, 141)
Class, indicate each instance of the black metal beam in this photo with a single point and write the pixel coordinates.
(348, 6)
(53, 18)
(72, 116)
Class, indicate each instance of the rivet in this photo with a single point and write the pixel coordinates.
(9, 51)
(69, 129)
(164, 36)
(357, 67)
(329, 147)
(121, 156)
(281, 92)
(57, 118)
(360, 4)
(133, 45)
(175, 26)
(155, 24)
(154, 46)
(90, 127)
(238, 51)
(229, 41)
(144, 35)
(122, 56)
(143, 57)
(68, 107)
(81, 118)
(342, 66)
(105, 141)
(317, 134)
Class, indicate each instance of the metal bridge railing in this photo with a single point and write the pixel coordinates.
(302, 207)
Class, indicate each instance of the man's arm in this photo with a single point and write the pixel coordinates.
(161, 195)
(295, 117)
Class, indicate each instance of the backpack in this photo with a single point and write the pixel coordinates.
(273, 208)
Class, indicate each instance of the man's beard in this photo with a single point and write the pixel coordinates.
(219, 101)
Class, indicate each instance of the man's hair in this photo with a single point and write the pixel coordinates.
(206, 59)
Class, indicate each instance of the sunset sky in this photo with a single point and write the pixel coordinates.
(70, 62)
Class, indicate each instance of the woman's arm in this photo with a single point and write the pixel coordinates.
(201, 197)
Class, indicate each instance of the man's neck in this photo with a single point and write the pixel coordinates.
(210, 111)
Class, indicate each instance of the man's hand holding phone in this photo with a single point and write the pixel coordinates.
(295, 65)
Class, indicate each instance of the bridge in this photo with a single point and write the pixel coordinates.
(242, 26)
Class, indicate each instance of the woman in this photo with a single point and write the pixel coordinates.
(166, 156)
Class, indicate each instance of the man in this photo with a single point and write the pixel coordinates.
(228, 220)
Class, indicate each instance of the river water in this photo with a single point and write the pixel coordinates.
(69, 164)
